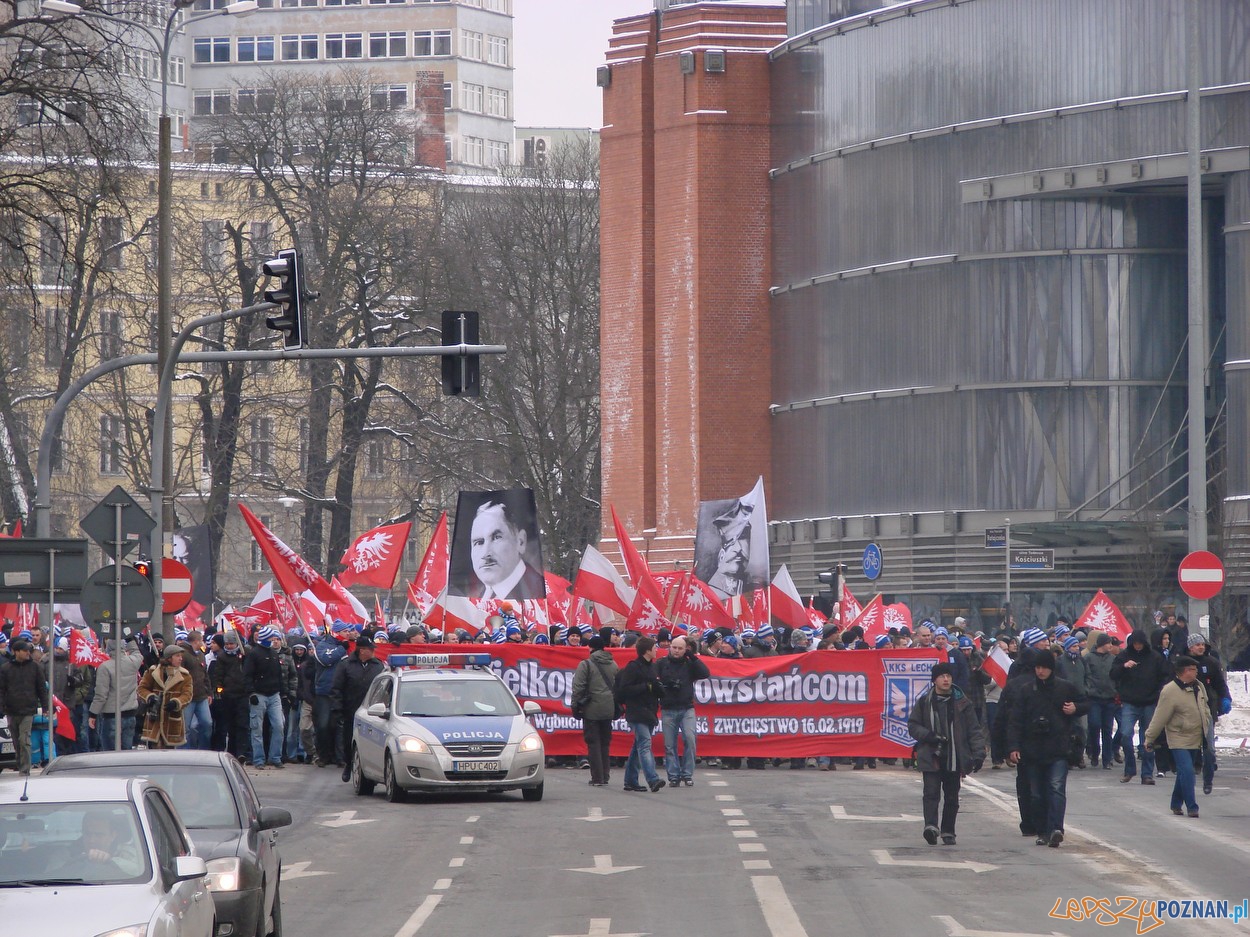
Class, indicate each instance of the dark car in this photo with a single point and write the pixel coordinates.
(229, 829)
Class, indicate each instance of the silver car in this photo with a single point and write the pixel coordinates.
(444, 729)
(99, 857)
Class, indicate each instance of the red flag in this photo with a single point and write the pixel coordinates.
(598, 580)
(850, 606)
(373, 558)
(265, 601)
(761, 610)
(378, 618)
(997, 664)
(701, 607)
(431, 576)
(64, 721)
(787, 605)
(244, 622)
(559, 601)
(82, 652)
(27, 617)
(871, 619)
(343, 606)
(636, 568)
(815, 615)
(645, 616)
(293, 572)
(189, 617)
(897, 615)
(1103, 615)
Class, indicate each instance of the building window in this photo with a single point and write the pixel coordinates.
(474, 150)
(392, 45)
(255, 49)
(260, 234)
(429, 42)
(51, 252)
(448, 95)
(471, 97)
(256, 100)
(299, 48)
(110, 335)
(261, 445)
(212, 103)
(111, 243)
(342, 3)
(497, 102)
(375, 458)
(496, 153)
(497, 50)
(213, 245)
(110, 445)
(54, 337)
(298, 3)
(391, 97)
(498, 6)
(345, 45)
(258, 558)
(471, 45)
(211, 50)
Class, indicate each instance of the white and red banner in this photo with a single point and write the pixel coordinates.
(373, 558)
(598, 581)
(1103, 614)
(84, 651)
(293, 572)
(786, 605)
(839, 703)
(430, 580)
(701, 608)
(998, 664)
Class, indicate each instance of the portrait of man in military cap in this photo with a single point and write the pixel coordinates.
(731, 544)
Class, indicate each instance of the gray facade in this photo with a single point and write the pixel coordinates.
(980, 294)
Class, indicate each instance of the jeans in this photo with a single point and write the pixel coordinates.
(86, 741)
(199, 722)
(1048, 794)
(1100, 742)
(641, 756)
(598, 735)
(267, 708)
(674, 721)
(1183, 788)
(329, 739)
(1208, 759)
(106, 724)
(294, 744)
(941, 786)
(1130, 715)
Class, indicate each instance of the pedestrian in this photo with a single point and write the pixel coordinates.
(949, 745)
(1138, 673)
(1184, 713)
(103, 707)
(23, 690)
(326, 653)
(262, 675)
(677, 674)
(166, 689)
(1100, 732)
(1039, 737)
(231, 728)
(639, 691)
(1211, 676)
(593, 681)
(199, 717)
(1071, 666)
(307, 700)
(352, 677)
(294, 750)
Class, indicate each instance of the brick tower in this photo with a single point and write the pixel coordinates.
(685, 267)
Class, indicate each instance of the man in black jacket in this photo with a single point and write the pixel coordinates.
(1039, 737)
(949, 745)
(225, 675)
(262, 673)
(352, 677)
(638, 690)
(23, 690)
(1138, 673)
(1210, 675)
(677, 674)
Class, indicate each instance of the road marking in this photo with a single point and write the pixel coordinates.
(466, 840)
(717, 783)
(726, 798)
(419, 916)
(731, 811)
(471, 819)
(883, 857)
(955, 929)
(745, 834)
(600, 927)
(738, 822)
(752, 847)
(756, 864)
(839, 813)
(779, 913)
(342, 819)
(442, 884)
(456, 863)
(299, 870)
(596, 814)
(604, 866)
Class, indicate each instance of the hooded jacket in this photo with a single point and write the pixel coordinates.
(1139, 684)
(23, 688)
(104, 699)
(598, 674)
(639, 691)
(954, 719)
(326, 653)
(1037, 726)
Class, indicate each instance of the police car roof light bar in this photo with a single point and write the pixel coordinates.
(401, 661)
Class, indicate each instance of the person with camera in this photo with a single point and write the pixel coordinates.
(950, 744)
(592, 698)
(638, 690)
(1039, 738)
(677, 674)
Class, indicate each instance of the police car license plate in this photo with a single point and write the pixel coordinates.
(470, 767)
(6, 748)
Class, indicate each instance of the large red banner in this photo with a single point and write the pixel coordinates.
(836, 703)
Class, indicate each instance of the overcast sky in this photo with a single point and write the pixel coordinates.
(558, 45)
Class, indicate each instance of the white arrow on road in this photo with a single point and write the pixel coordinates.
(299, 870)
(839, 813)
(883, 857)
(345, 818)
(596, 814)
(955, 929)
(600, 927)
(604, 866)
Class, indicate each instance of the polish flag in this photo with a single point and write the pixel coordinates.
(645, 616)
(701, 607)
(1103, 614)
(64, 720)
(431, 577)
(761, 608)
(265, 601)
(312, 611)
(379, 619)
(293, 572)
(598, 581)
(373, 558)
(456, 611)
(27, 617)
(997, 663)
(787, 605)
(872, 619)
(83, 652)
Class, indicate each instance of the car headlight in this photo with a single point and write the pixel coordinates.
(412, 745)
(224, 874)
(134, 930)
(531, 743)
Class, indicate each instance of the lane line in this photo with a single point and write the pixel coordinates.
(745, 834)
(731, 811)
(717, 783)
(752, 847)
(749, 864)
(419, 916)
(726, 798)
(456, 863)
(738, 822)
(442, 884)
(471, 819)
(779, 913)
(466, 840)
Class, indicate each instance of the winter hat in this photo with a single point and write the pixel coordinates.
(4, 639)
(171, 652)
(883, 640)
(731, 641)
(584, 629)
(595, 643)
(748, 633)
(268, 633)
(1071, 642)
(498, 636)
(663, 635)
(379, 637)
(562, 634)
(180, 635)
(1031, 637)
(765, 631)
(513, 631)
(1195, 639)
(941, 668)
(941, 632)
(62, 644)
(1103, 640)
(25, 635)
(364, 641)
(965, 641)
(1061, 630)
(541, 639)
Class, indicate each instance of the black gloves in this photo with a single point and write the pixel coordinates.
(940, 739)
(254, 699)
(172, 706)
(976, 765)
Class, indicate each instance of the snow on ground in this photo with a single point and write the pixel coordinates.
(1233, 730)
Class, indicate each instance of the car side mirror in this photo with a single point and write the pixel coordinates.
(531, 708)
(270, 818)
(380, 710)
(189, 867)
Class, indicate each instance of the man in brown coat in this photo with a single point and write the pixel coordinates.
(166, 689)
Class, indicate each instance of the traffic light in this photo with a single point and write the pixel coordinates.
(144, 567)
(289, 294)
(461, 374)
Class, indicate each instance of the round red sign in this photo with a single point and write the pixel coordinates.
(1201, 575)
(175, 586)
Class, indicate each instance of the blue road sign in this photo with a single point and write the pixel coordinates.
(872, 561)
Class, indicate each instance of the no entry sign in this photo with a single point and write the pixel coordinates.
(1201, 575)
(175, 586)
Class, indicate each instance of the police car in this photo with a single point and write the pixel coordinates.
(444, 722)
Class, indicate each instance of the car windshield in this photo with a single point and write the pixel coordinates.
(456, 698)
(201, 793)
(71, 844)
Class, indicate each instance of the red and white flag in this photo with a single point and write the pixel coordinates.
(312, 611)
(27, 617)
(293, 572)
(84, 653)
(265, 601)
(379, 618)
(997, 663)
(373, 558)
(343, 606)
(850, 606)
(456, 611)
(700, 607)
(897, 615)
(814, 615)
(431, 576)
(189, 618)
(559, 599)
(872, 619)
(1103, 614)
(787, 606)
(64, 720)
(598, 581)
(645, 616)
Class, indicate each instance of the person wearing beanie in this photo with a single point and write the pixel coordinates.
(639, 690)
(23, 692)
(352, 677)
(1071, 666)
(1185, 714)
(231, 718)
(1211, 676)
(949, 745)
(1101, 743)
(294, 656)
(263, 677)
(593, 702)
(166, 690)
(324, 657)
(1139, 673)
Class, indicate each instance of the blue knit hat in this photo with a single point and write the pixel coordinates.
(179, 635)
(882, 640)
(1031, 637)
(585, 629)
(965, 641)
(1061, 630)
(513, 629)
(941, 632)
(765, 631)
(732, 641)
(1070, 642)
(748, 633)
(541, 639)
(268, 633)
(498, 636)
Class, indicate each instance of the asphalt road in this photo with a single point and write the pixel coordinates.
(747, 853)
